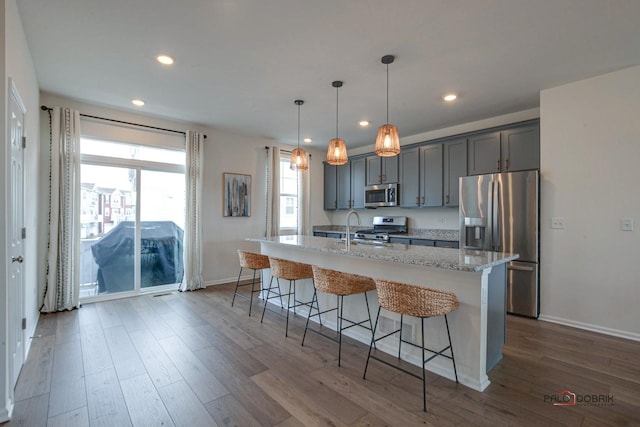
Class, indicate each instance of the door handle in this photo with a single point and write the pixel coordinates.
(519, 268)
(506, 164)
(446, 199)
(498, 164)
(17, 259)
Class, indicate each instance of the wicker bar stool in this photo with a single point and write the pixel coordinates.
(416, 301)
(255, 262)
(339, 284)
(291, 271)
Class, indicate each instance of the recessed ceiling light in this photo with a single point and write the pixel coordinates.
(307, 140)
(363, 123)
(137, 102)
(450, 97)
(165, 59)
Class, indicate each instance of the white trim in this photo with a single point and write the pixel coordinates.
(590, 327)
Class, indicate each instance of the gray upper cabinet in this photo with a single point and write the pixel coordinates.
(343, 185)
(330, 187)
(521, 148)
(381, 170)
(431, 175)
(421, 176)
(504, 151)
(409, 188)
(357, 183)
(455, 166)
(484, 153)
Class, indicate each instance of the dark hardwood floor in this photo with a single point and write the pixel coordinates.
(190, 359)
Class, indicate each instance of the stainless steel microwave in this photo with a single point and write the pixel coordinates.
(379, 195)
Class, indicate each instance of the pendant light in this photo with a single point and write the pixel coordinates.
(388, 141)
(337, 151)
(299, 160)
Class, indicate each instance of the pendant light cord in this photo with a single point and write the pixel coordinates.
(337, 111)
(387, 93)
(298, 126)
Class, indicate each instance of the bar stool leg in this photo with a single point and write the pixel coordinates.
(286, 330)
(424, 374)
(341, 306)
(366, 300)
(253, 285)
(235, 291)
(266, 300)
(373, 336)
(451, 348)
(306, 326)
(400, 342)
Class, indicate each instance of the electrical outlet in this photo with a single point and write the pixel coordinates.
(558, 223)
(626, 224)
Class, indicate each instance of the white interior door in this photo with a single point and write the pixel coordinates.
(15, 227)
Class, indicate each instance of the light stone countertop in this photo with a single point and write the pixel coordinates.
(450, 259)
(414, 233)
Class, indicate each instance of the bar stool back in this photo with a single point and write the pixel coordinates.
(420, 302)
(291, 271)
(255, 262)
(339, 284)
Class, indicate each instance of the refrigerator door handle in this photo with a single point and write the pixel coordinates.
(490, 206)
(497, 237)
(519, 268)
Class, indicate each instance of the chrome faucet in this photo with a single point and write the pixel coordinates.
(348, 241)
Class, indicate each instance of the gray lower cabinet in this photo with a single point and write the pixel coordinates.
(421, 176)
(447, 244)
(508, 150)
(381, 170)
(422, 242)
(330, 187)
(455, 166)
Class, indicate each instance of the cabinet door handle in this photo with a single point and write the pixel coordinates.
(446, 199)
(417, 200)
(423, 200)
(506, 164)
(498, 164)
(384, 177)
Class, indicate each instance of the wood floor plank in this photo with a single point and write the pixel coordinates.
(259, 404)
(192, 339)
(47, 324)
(95, 351)
(129, 316)
(123, 353)
(88, 314)
(108, 314)
(76, 418)
(144, 403)
(228, 411)
(159, 366)
(184, 407)
(204, 384)
(153, 321)
(30, 412)
(35, 377)
(67, 327)
(105, 401)
(67, 379)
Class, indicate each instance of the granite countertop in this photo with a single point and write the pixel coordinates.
(450, 259)
(413, 233)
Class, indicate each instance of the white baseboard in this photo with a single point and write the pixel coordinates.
(590, 327)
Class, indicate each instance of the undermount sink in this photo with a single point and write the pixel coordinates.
(362, 242)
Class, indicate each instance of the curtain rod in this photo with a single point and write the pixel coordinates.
(45, 108)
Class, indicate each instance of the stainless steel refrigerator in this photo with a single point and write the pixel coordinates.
(499, 212)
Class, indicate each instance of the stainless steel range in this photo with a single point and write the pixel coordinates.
(383, 226)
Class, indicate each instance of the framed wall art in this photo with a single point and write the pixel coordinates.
(236, 194)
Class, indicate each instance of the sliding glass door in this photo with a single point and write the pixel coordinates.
(132, 219)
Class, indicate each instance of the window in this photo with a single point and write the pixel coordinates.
(288, 196)
(137, 244)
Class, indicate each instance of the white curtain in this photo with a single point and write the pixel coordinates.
(192, 278)
(62, 282)
(304, 200)
(273, 192)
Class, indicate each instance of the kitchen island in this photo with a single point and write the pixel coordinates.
(478, 278)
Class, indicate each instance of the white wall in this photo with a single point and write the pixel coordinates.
(17, 65)
(590, 153)
(223, 152)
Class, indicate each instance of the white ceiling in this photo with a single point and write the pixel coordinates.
(240, 64)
